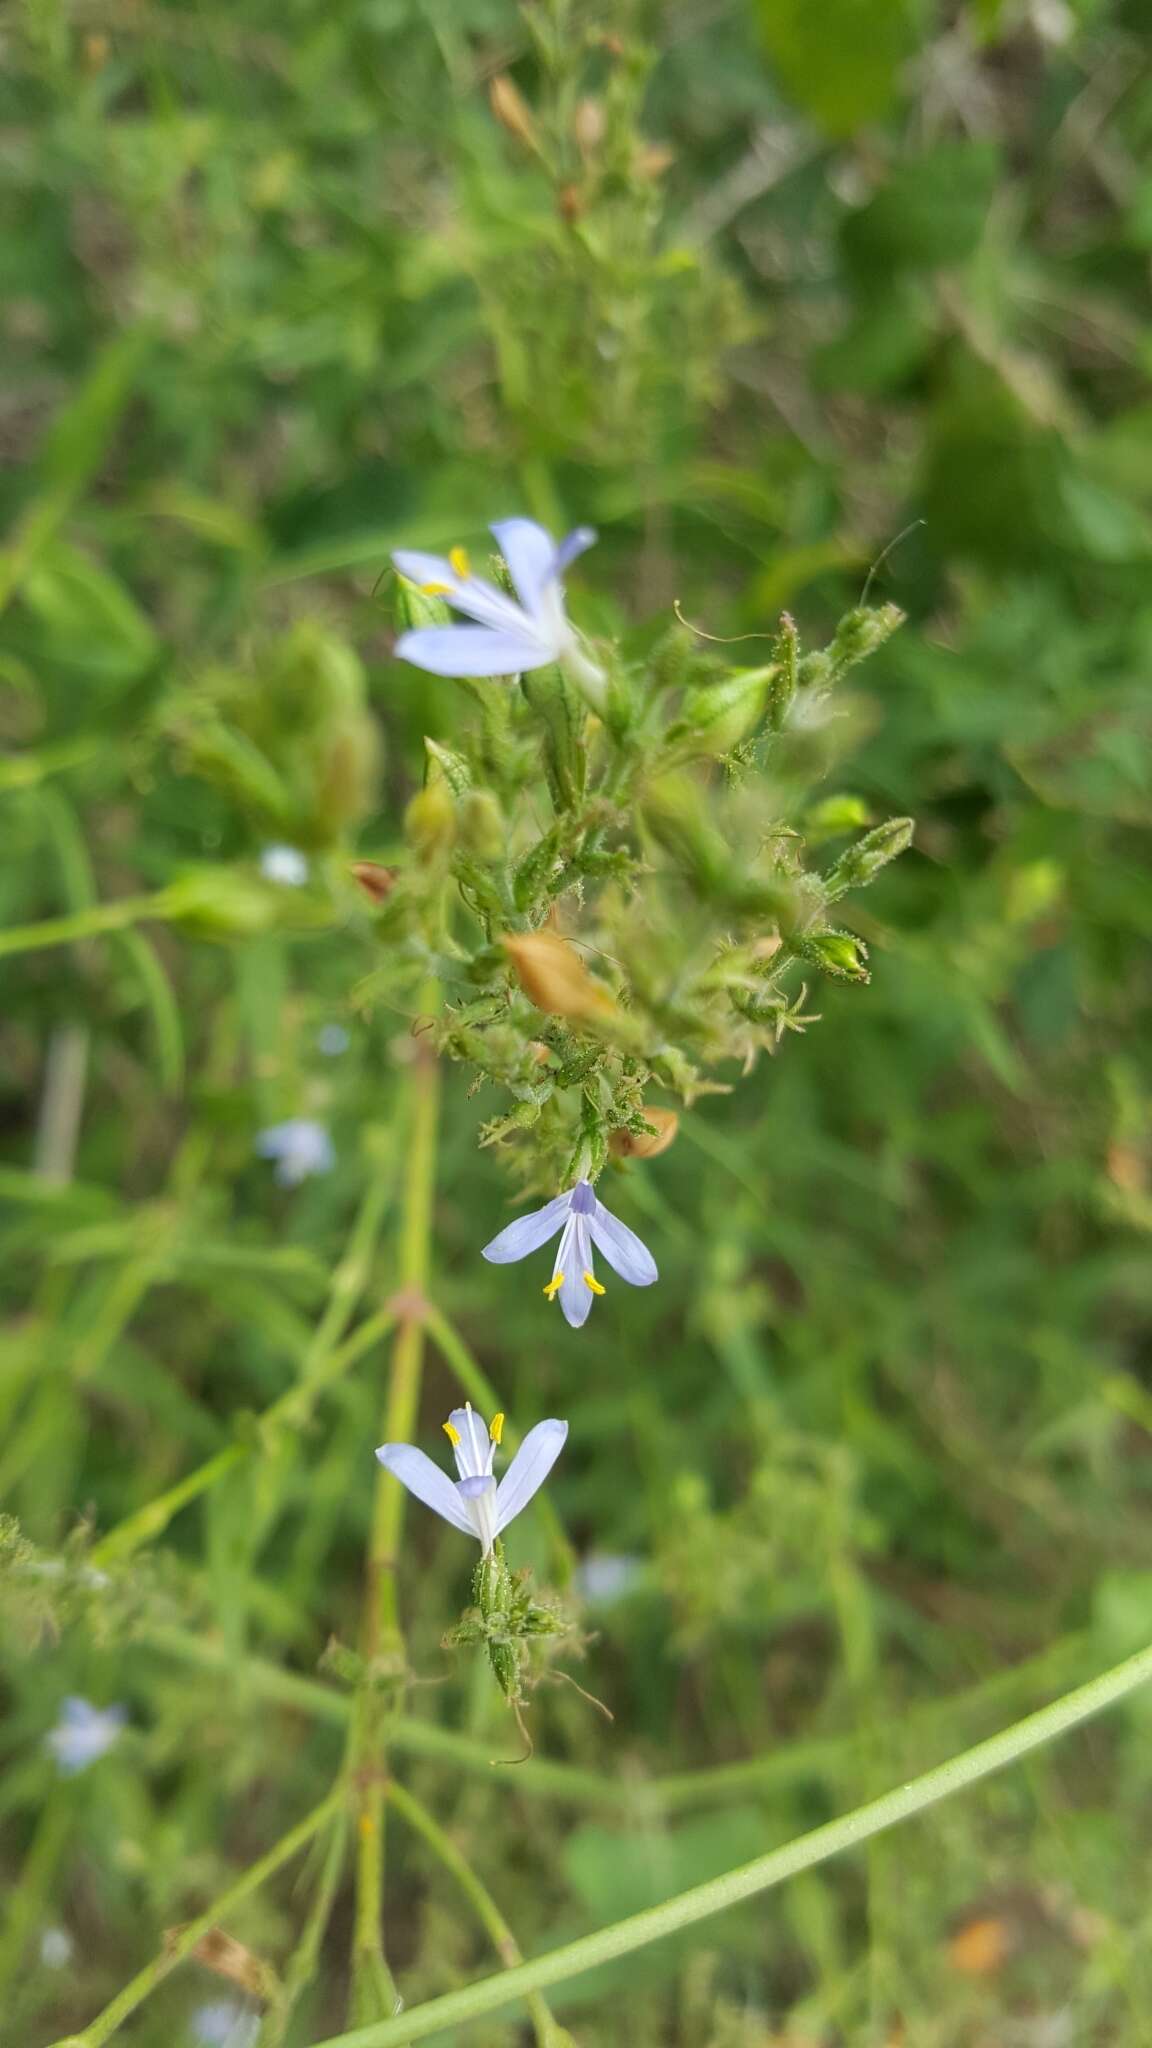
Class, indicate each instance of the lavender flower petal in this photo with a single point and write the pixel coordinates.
(415, 1470)
(473, 650)
(574, 1259)
(473, 595)
(529, 1468)
(530, 553)
(624, 1251)
(527, 1233)
(473, 1452)
(574, 544)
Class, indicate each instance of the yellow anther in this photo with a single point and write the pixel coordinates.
(460, 563)
(594, 1284)
(554, 1286)
(451, 1432)
(436, 589)
(496, 1428)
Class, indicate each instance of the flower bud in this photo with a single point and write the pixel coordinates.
(512, 110)
(415, 607)
(716, 717)
(377, 882)
(863, 861)
(454, 769)
(483, 828)
(835, 815)
(628, 1144)
(839, 954)
(553, 976)
(430, 820)
(675, 815)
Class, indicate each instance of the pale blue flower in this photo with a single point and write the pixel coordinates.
(605, 1576)
(285, 865)
(225, 2023)
(300, 1147)
(57, 1948)
(582, 1222)
(507, 638)
(83, 1734)
(332, 1040)
(474, 1503)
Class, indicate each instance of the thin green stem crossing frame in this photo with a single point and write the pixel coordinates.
(490, 1994)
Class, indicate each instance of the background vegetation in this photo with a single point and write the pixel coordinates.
(751, 288)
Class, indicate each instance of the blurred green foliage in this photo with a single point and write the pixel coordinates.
(753, 289)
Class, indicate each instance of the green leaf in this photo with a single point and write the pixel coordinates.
(840, 60)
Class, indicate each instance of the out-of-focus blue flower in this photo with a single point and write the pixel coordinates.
(284, 864)
(475, 1504)
(603, 1577)
(507, 637)
(332, 1040)
(57, 1948)
(300, 1147)
(83, 1734)
(225, 2023)
(582, 1222)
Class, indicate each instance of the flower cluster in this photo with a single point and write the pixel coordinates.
(612, 930)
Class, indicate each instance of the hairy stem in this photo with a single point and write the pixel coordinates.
(382, 1642)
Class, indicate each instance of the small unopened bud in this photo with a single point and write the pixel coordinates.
(674, 813)
(786, 670)
(716, 717)
(835, 815)
(646, 1144)
(588, 125)
(377, 882)
(430, 820)
(840, 954)
(553, 976)
(483, 828)
(451, 766)
(859, 634)
(512, 110)
(416, 607)
(865, 860)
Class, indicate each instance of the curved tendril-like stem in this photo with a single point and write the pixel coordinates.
(490, 1994)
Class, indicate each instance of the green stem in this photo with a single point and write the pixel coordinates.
(82, 924)
(382, 1642)
(327, 1360)
(479, 1898)
(27, 1898)
(180, 1945)
(957, 1775)
(822, 1759)
(301, 1968)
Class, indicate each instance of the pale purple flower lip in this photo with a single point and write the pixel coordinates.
(582, 1221)
(475, 1504)
(507, 637)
